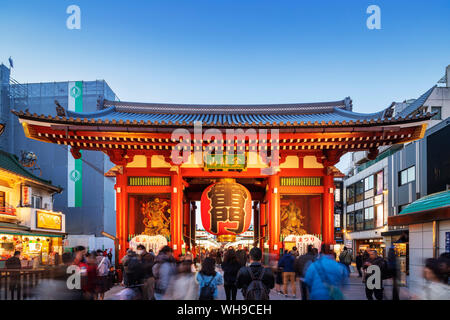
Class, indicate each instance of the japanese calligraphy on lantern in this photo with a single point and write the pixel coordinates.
(226, 208)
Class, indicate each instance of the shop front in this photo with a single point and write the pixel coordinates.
(39, 238)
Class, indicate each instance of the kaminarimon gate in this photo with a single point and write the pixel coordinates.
(279, 163)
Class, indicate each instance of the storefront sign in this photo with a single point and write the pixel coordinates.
(26, 196)
(46, 220)
(226, 208)
(349, 244)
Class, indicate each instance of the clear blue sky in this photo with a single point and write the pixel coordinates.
(233, 51)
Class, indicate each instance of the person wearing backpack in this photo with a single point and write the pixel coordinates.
(255, 280)
(325, 277)
(346, 258)
(208, 280)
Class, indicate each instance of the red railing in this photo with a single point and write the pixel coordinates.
(8, 210)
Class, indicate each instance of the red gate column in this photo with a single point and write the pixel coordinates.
(274, 214)
(187, 223)
(262, 223)
(176, 214)
(121, 214)
(328, 210)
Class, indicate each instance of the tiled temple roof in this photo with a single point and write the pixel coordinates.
(319, 114)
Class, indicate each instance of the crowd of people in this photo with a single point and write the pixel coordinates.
(149, 276)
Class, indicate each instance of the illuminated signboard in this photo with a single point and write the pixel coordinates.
(46, 220)
(301, 181)
(148, 181)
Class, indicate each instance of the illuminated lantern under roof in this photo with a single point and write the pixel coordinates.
(226, 208)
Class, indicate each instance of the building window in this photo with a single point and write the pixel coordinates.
(359, 191)
(337, 195)
(380, 182)
(351, 194)
(438, 115)
(359, 220)
(36, 202)
(368, 218)
(2, 199)
(407, 175)
(350, 221)
(368, 183)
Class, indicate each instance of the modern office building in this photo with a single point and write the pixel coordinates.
(87, 199)
(380, 188)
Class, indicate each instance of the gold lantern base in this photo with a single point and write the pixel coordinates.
(226, 238)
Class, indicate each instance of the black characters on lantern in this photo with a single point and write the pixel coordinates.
(227, 205)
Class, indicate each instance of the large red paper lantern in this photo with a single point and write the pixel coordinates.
(226, 208)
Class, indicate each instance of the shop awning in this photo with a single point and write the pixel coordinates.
(434, 207)
(10, 228)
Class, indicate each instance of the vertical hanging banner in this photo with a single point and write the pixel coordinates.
(74, 166)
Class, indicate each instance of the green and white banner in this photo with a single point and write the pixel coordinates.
(74, 166)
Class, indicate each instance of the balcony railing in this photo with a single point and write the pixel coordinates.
(8, 210)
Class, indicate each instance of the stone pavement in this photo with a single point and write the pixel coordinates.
(354, 290)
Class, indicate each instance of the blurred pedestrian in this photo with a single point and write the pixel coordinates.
(208, 280)
(147, 261)
(241, 255)
(301, 265)
(434, 287)
(183, 286)
(91, 284)
(163, 271)
(325, 277)
(359, 263)
(103, 281)
(230, 267)
(14, 265)
(346, 258)
(374, 259)
(287, 263)
(393, 271)
(255, 281)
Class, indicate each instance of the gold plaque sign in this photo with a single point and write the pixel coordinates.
(46, 220)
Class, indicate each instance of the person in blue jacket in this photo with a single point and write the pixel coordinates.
(208, 277)
(325, 277)
(287, 263)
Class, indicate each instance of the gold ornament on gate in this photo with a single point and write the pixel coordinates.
(291, 220)
(155, 220)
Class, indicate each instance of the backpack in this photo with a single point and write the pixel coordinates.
(207, 292)
(256, 290)
(348, 258)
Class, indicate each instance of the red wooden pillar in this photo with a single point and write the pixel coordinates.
(121, 214)
(132, 215)
(262, 222)
(187, 223)
(176, 214)
(328, 209)
(274, 214)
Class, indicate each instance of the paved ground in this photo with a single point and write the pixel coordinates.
(353, 291)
